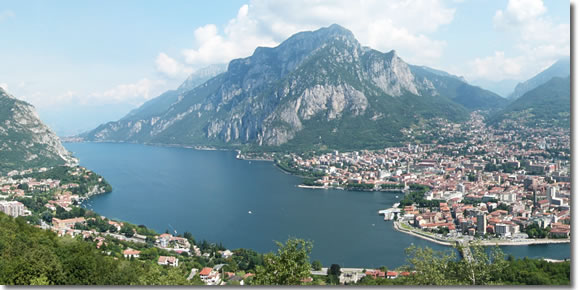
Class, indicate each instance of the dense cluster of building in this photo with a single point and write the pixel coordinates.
(489, 182)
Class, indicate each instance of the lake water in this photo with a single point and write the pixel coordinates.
(210, 194)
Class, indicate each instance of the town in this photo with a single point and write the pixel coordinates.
(468, 182)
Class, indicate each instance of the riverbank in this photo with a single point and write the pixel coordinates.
(447, 242)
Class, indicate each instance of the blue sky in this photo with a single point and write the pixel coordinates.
(82, 63)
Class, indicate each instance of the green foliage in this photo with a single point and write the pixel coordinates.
(31, 256)
(86, 179)
(360, 186)
(417, 196)
(483, 269)
(535, 272)
(535, 231)
(247, 259)
(392, 186)
(290, 265)
(316, 265)
(432, 267)
(333, 274)
(545, 106)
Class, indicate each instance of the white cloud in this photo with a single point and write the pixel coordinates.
(131, 93)
(519, 11)
(497, 67)
(6, 14)
(403, 25)
(171, 67)
(4, 86)
(137, 92)
(538, 42)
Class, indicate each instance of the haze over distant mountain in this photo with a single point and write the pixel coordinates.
(317, 89)
(161, 103)
(25, 142)
(560, 68)
(503, 88)
(545, 105)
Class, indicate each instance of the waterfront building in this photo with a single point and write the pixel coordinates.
(502, 229)
(481, 223)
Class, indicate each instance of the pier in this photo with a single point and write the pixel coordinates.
(390, 213)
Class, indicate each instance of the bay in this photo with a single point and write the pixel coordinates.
(251, 204)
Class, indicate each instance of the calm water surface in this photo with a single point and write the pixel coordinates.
(210, 194)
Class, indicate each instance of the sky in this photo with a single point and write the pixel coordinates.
(83, 63)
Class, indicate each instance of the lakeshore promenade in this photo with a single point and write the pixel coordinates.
(451, 242)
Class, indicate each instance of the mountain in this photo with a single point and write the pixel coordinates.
(164, 101)
(317, 89)
(25, 142)
(458, 90)
(546, 105)
(560, 68)
(503, 88)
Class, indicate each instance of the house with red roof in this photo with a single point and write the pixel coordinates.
(168, 260)
(130, 253)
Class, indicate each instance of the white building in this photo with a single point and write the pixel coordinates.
(12, 208)
(167, 260)
(209, 276)
(502, 229)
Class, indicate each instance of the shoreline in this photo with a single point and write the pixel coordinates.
(482, 242)
(395, 223)
(198, 148)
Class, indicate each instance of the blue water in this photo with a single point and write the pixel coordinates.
(210, 194)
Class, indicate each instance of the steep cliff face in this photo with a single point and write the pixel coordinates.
(316, 89)
(25, 142)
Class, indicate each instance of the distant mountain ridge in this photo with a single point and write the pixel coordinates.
(317, 89)
(560, 68)
(545, 105)
(25, 142)
(164, 101)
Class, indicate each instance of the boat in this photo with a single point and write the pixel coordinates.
(249, 212)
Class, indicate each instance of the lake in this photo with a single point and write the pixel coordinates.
(211, 195)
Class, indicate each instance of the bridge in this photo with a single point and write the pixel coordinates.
(464, 250)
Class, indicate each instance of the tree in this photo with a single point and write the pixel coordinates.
(482, 268)
(47, 216)
(333, 274)
(334, 270)
(287, 267)
(39, 281)
(127, 231)
(189, 237)
(432, 267)
(316, 265)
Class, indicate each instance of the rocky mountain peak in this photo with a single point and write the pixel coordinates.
(317, 86)
(25, 142)
(201, 75)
